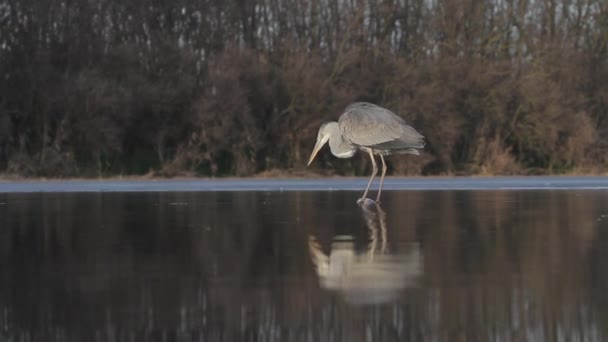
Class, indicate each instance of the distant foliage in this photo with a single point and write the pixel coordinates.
(218, 88)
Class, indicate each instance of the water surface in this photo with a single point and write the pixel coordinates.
(463, 265)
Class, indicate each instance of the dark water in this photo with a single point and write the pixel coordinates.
(485, 265)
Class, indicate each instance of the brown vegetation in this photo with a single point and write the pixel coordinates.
(240, 87)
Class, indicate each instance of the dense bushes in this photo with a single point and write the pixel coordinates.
(236, 88)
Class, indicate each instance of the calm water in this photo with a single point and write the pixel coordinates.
(459, 265)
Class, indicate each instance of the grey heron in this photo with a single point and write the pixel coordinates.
(372, 129)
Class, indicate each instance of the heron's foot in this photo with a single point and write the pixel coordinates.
(365, 201)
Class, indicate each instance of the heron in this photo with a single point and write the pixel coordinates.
(371, 129)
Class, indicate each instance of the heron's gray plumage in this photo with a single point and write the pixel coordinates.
(365, 124)
(370, 128)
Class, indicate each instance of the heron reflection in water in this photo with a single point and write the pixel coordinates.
(373, 276)
(372, 129)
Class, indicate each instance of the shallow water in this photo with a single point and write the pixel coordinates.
(463, 265)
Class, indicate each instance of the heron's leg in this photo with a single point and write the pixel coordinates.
(381, 178)
(374, 172)
(382, 221)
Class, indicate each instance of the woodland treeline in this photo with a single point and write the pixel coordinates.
(239, 87)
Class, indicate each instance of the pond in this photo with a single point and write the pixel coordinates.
(289, 261)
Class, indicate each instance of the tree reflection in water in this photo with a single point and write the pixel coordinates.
(231, 266)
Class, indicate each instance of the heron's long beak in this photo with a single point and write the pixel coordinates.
(315, 150)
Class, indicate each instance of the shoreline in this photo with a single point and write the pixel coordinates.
(12, 178)
(499, 183)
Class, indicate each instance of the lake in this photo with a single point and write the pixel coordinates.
(459, 259)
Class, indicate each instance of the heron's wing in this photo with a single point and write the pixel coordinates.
(366, 124)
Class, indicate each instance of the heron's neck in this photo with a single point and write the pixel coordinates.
(340, 147)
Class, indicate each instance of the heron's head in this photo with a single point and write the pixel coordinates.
(322, 139)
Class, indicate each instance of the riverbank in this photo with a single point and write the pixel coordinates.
(308, 184)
